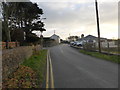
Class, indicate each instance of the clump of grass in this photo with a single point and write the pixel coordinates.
(112, 58)
(37, 63)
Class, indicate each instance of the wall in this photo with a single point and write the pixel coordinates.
(11, 58)
(10, 44)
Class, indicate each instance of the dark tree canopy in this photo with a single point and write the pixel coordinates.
(21, 16)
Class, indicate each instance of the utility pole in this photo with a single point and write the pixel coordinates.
(98, 28)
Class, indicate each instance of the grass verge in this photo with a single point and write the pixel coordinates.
(112, 58)
(38, 64)
(30, 74)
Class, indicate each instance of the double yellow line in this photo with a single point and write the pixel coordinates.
(49, 73)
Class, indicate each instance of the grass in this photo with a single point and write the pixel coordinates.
(30, 74)
(112, 50)
(112, 58)
(38, 64)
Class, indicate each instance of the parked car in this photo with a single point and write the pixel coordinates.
(71, 43)
(76, 43)
(79, 44)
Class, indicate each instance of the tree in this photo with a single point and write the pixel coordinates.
(38, 26)
(82, 35)
(6, 15)
(32, 38)
(21, 16)
(76, 37)
(73, 38)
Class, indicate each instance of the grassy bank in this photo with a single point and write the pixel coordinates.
(112, 58)
(30, 74)
(38, 63)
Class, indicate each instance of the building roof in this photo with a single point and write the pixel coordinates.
(90, 37)
(55, 35)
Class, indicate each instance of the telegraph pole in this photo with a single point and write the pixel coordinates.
(98, 28)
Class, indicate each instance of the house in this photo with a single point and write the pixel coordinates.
(105, 43)
(88, 39)
(56, 38)
(91, 40)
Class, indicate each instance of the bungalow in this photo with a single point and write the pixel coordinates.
(91, 39)
(105, 43)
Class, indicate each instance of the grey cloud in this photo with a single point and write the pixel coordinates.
(68, 16)
(108, 12)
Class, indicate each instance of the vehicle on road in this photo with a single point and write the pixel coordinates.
(76, 43)
(79, 44)
(71, 43)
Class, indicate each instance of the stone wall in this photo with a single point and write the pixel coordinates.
(12, 58)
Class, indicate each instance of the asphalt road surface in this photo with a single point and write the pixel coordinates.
(72, 69)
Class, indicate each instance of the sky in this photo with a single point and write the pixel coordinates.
(76, 17)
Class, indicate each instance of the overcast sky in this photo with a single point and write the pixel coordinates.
(79, 17)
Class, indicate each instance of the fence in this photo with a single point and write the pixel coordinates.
(3, 45)
(108, 49)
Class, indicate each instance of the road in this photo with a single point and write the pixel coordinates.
(72, 69)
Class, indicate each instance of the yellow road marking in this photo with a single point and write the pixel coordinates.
(51, 72)
(47, 75)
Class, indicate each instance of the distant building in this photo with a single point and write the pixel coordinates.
(56, 38)
(105, 43)
(47, 42)
(91, 39)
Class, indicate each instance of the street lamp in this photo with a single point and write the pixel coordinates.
(98, 28)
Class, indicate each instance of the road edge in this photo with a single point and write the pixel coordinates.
(49, 73)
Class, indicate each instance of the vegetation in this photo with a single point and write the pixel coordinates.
(112, 58)
(37, 62)
(30, 74)
(73, 38)
(24, 77)
(23, 16)
(112, 50)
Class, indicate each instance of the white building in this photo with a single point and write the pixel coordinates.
(56, 38)
(105, 43)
